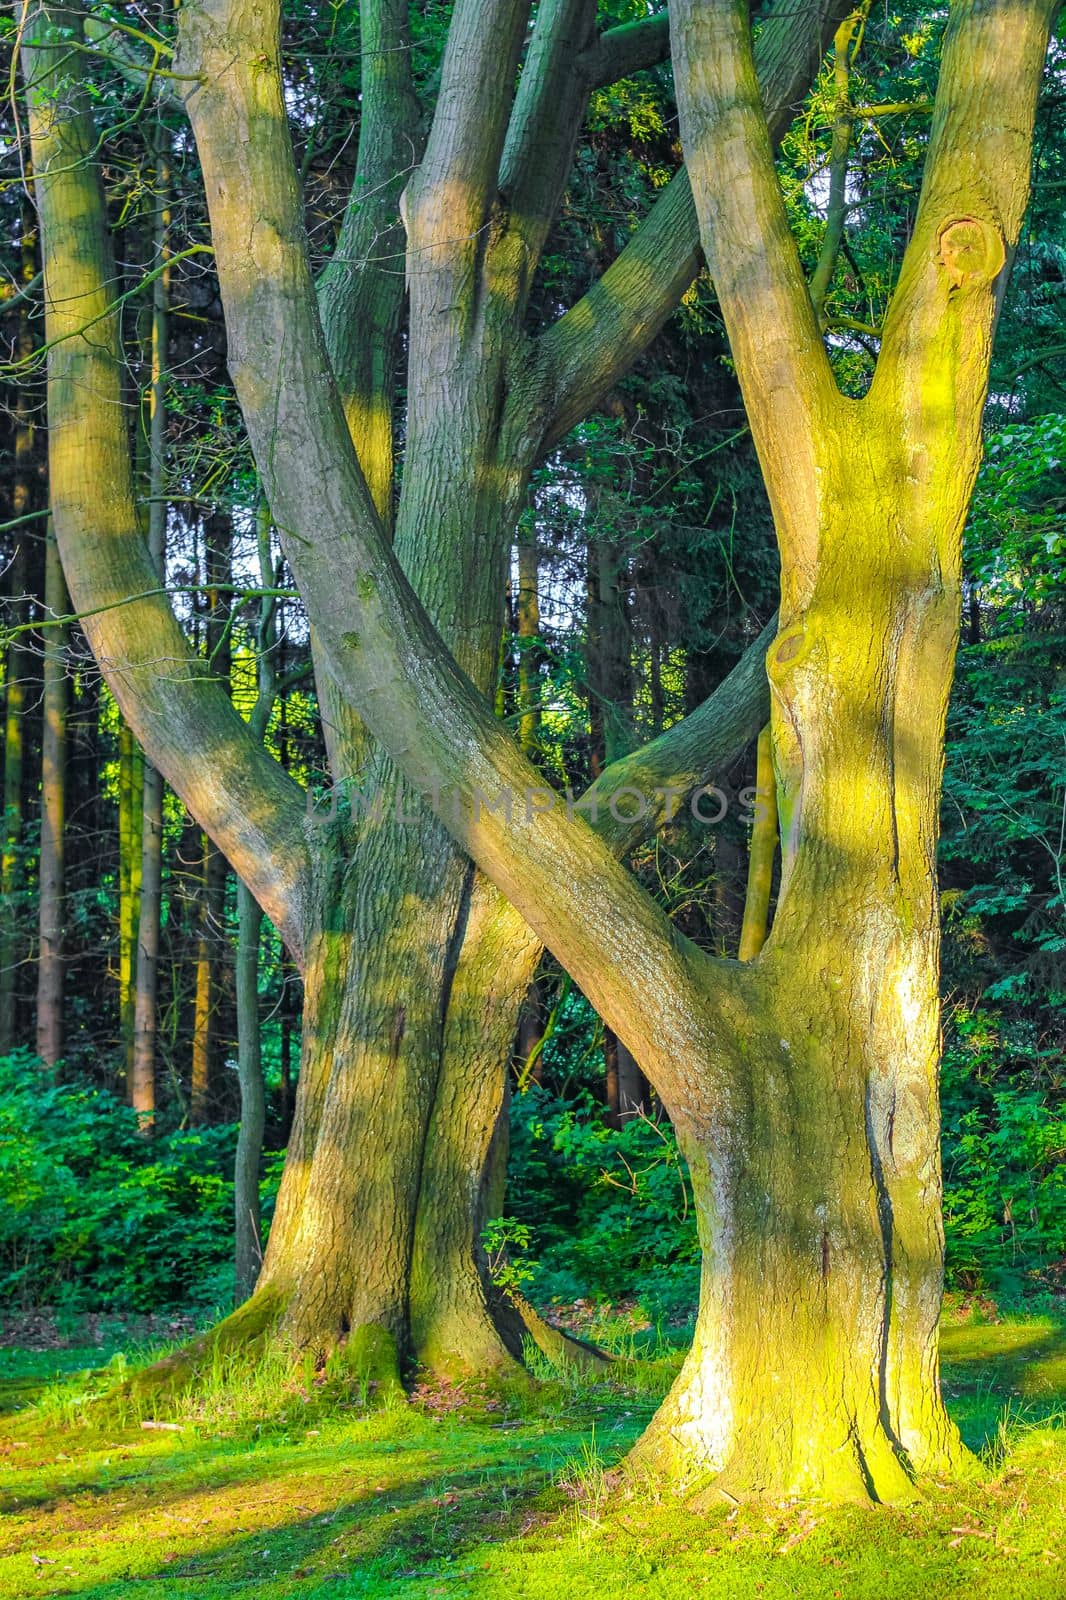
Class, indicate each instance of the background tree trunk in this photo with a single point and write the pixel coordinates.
(25, 498)
(51, 887)
(145, 1022)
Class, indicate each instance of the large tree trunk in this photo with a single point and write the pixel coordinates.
(340, 1245)
(380, 927)
(817, 1184)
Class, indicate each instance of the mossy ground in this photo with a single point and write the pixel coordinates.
(289, 1488)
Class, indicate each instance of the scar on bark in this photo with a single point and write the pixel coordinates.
(971, 251)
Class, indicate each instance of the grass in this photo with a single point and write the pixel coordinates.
(283, 1489)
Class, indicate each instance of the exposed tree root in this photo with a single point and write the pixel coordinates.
(561, 1349)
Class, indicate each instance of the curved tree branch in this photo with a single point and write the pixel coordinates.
(383, 650)
(632, 47)
(185, 722)
(581, 356)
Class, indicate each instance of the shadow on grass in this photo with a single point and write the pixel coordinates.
(390, 1528)
(399, 1504)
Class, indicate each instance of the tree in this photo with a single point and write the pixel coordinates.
(801, 1084)
(394, 945)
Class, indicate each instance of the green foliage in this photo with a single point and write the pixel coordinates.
(505, 1242)
(609, 1208)
(95, 1216)
(1004, 1158)
(1003, 860)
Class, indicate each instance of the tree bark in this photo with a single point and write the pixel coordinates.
(16, 665)
(248, 1251)
(145, 1022)
(481, 405)
(130, 832)
(51, 881)
(815, 1366)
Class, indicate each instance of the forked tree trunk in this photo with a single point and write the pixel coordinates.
(814, 1367)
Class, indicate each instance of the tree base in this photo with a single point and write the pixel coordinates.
(835, 1464)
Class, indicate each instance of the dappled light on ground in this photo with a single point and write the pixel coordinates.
(508, 1496)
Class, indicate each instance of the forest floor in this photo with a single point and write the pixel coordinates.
(283, 1490)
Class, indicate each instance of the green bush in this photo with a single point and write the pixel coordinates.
(1004, 1149)
(95, 1217)
(610, 1210)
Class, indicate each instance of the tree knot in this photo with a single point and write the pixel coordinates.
(972, 252)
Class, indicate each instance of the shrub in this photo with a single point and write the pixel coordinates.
(95, 1217)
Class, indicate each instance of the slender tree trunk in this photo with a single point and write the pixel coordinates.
(211, 897)
(218, 573)
(145, 1020)
(51, 885)
(248, 1223)
(130, 829)
(16, 664)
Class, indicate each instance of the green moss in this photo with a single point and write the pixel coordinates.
(369, 1353)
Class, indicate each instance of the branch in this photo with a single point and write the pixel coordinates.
(454, 189)
(374, 631)
(584, 354)
(188, 727)
(360, 293)
(546, 119)
(839, 150)
(670, 769)
(975, 189)
(781, 363)
(17, 296)
(361, 296)
(619, 52)
(124, 56)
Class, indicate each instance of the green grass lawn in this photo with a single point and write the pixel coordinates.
(285, 1491)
